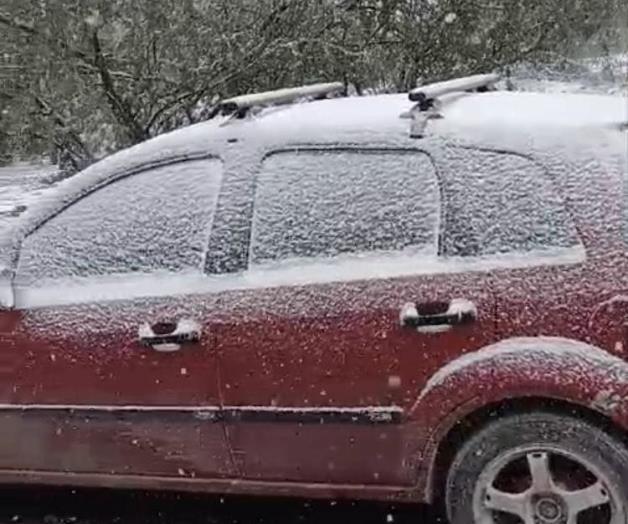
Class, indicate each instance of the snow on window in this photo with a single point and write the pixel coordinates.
(157, 220)
(325, 204)
(498, 203)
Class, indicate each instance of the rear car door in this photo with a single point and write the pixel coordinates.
(582, 185)
(109, 366)
(343, 312)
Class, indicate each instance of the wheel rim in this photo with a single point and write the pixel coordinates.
(544, 485)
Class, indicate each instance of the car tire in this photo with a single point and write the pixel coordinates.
(491, 479)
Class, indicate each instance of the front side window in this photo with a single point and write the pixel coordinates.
(320, 205)
(154, 221)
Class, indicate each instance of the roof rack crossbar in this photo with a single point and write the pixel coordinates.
(240, 105)
(425, 95)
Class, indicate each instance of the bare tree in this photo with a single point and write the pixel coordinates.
(84, 78)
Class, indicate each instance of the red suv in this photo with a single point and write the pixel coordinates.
(351, 297)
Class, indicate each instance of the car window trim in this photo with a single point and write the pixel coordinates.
(129, 287)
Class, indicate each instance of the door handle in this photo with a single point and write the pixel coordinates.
(429, 317)
(168, 337)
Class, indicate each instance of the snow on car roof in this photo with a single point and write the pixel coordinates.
(538, 110)
(495, 108)
(375, 118)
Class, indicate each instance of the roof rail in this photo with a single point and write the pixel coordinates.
(239, 106)
(425, 95)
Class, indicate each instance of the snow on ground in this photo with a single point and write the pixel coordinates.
(26, 172)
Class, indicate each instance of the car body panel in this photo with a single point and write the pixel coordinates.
(583, 304)
(81, 394)
(312, 387)
(333, 348)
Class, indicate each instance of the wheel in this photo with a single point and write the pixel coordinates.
(539, 468)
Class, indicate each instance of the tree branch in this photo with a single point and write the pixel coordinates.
(48, 112)
(121, 109)
(14, 23)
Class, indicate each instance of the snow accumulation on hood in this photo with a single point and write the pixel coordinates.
(20, 186)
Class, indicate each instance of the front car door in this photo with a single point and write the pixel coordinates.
(107, 365)
(345, 310)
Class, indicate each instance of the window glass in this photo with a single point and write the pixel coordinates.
(324, 204)
(500, 203)
(157, 220)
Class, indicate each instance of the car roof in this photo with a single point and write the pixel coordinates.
(377, 119)
(498, 119)
(381, 113)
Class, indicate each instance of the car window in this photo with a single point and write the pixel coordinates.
(499, 203)
(157, 220)
(323, 204)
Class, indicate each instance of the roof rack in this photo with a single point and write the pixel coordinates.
(239, 106)
(426, 95)
(426, 98)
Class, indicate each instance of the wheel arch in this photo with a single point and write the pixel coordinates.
(515, 376)
(474, 421)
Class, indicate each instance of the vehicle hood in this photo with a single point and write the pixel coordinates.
(20, 186)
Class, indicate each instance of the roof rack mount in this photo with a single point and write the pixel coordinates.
(426, 95)
(240, 105)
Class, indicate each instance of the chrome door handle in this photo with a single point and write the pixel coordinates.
(168, 337)
(458, 312)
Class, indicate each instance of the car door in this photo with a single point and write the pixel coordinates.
(345, 311)
(579, 196)
(110, 366)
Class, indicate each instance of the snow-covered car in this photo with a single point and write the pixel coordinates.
(415, 300)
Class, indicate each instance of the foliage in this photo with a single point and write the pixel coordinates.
(82, 78)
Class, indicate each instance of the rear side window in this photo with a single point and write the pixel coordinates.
(322, 205)
(157, 220)
(500, 203)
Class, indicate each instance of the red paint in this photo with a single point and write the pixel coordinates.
(108, 368)
(359, 357)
